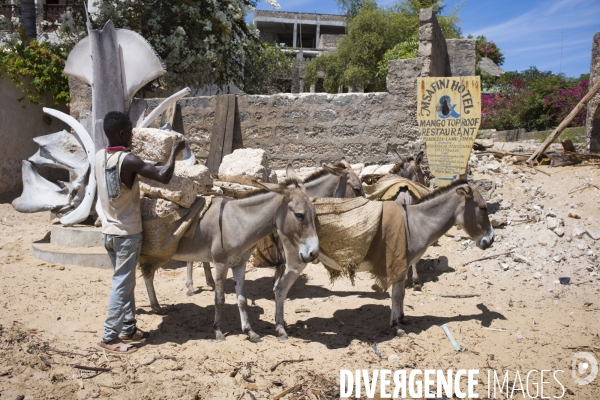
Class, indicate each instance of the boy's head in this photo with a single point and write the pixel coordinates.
(118, 128)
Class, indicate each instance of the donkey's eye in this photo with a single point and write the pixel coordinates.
(300, 216)
(357, 191)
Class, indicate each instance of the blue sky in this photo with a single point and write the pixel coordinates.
(528, 32)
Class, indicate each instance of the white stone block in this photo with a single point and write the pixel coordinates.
(153, 144)
(180, 190)
(153, 208)
(244, 165)
(384, 169)
(198, 173)
(369, 170)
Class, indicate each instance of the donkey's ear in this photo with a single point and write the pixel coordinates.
(272, 187)
(291, 174)
(345, 163)
(419, 158)
(465, 191)
(335, 170)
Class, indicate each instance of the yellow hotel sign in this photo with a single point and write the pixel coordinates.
(449, 114)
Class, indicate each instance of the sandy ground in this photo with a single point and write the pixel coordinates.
(51, 315)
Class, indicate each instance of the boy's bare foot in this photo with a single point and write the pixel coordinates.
(117, 347)
(138, 336)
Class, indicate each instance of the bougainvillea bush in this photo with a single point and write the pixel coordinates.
(533, 100)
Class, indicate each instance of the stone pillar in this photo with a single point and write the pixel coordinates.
(313, 88)
(294, 42)
(432, 45)
(592, 120)
(318, 31)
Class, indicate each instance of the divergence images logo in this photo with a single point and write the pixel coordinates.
(584, 368)
(446, 108)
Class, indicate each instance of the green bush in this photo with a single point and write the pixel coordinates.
(42, 63)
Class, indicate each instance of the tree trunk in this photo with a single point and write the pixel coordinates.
(28, 18)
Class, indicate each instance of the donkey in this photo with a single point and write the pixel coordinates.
(336, 180)
(411, 169)
(424, 223)
(227, 235)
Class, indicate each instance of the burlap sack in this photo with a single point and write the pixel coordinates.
(388, 187)
(345, 228)
(161, 236)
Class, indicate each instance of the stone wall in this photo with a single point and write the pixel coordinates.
(20, 122)
(462, 57)
(307, 129)
(592, 121)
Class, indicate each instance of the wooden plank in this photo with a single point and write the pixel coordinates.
(228, 140)
(533, 159)
(215, 154)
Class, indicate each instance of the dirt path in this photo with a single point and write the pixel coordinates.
(51, 315)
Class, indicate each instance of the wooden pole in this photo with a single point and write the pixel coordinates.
(531, 160)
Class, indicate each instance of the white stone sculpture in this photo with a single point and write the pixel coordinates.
(116, 63)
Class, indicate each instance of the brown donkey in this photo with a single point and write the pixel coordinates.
(424, 223)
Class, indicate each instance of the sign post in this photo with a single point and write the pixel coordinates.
(448, 114)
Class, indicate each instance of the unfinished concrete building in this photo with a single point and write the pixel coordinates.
(306, 35)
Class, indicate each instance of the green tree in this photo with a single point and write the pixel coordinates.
(370, 35)
(488, 49)
(266, 68)
(201, 42)
(350, 7)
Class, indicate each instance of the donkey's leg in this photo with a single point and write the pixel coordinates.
(397, 316)
(239, 276)
(281, 289)
(189, 283)
(221, 273)
(154, 305)
(415, 278)
(209, 278)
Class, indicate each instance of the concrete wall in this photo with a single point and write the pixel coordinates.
(20, 122)
(592, 121)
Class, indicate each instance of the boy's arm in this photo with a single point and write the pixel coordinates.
(132, 165)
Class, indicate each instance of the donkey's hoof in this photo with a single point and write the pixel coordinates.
(191, 293)
(253, 337)
(282, 338)
(219, 337)
(417, 287)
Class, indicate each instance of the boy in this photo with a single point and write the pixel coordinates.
(119, 194)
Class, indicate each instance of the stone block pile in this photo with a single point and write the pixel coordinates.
(188, 182)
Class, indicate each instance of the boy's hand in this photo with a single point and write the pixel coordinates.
(179, 145)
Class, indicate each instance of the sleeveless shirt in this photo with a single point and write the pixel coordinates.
(123, 214)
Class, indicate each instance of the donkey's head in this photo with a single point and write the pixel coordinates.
(350, 185)
(295, 219)
(472, 215)
(410, 167)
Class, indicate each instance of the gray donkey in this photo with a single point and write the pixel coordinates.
(227, 235)
(336, 180)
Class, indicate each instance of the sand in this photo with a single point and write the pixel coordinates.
(51, 316)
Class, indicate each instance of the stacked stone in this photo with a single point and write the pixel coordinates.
(188, 181)
(241, 168)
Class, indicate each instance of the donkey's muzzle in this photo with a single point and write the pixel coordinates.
(487, 239)
(309, 250)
